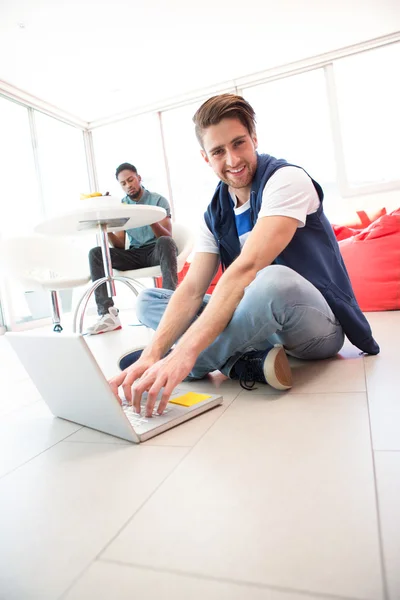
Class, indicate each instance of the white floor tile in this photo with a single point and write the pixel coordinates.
(105, 580)
(383, 381)
(28, 432)
(342, 373)
(11, 370)
(61, 509)
(15, 396)
(275, 491)
(388, 479)
(278, 492)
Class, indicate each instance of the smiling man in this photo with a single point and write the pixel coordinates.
(284, 290)
(148, 246)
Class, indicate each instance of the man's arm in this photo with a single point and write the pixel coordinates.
(163, 227)
(180, 312)
(117, 239)
(267, 240)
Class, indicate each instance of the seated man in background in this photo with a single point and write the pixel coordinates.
(149, 246)
(284, 289)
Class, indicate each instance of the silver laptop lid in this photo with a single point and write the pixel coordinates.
(70, 381)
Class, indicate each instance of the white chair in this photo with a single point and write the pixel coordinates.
(45, 263)
(183, 239)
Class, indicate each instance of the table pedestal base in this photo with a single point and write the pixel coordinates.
(83, 302)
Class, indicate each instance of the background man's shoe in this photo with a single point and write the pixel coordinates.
(108, 322)
(263, 366)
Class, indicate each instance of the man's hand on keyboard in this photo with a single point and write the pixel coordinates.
(164, 374)
(127, 377)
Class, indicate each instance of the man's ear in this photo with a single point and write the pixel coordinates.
(255, 140)
(139, 178)
(204, 155)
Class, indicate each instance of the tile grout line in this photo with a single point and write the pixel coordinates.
(36, 455)
(13, 411)
(241, 583)
(190, 449)
(385, 588)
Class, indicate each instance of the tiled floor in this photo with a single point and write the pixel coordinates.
(272, 496)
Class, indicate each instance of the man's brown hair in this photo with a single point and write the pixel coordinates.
(224, 106)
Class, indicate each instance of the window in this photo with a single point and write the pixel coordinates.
(192, 180)
(368, 94)
(293, 122)
(62, 163)
(20, 205)
(137, 141)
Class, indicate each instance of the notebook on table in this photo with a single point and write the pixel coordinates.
(70, 381)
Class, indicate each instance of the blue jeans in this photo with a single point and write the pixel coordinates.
(278, 307)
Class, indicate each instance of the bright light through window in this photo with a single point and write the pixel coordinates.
(368, 93)
(293, 123)
(20, 205)
(193, 182)
(137, 141)
(62, 163)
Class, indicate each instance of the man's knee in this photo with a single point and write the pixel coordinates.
(94, 254)
(143, 301)
(165, 243)
(280, 282)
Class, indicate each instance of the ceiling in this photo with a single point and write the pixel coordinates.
(95, 59)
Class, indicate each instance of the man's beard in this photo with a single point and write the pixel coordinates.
(234, 183)
(134, 195)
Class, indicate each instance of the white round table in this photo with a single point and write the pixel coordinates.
(104, 214)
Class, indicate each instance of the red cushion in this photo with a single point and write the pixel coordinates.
(342, 232)
(182, 274)
(372, 258)
(363, 218)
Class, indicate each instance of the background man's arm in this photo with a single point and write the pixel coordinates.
(117, 239)
(163, 227)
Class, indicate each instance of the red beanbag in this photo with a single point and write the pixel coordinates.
(372, 258)
(363, 218)
(343, 232)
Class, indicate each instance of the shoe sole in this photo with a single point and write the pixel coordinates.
(107, 331)
(277, 371)
(121, 358)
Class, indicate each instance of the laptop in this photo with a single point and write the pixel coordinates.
(70, 381)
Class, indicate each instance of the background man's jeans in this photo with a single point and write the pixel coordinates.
(163, 252)
(278, 307)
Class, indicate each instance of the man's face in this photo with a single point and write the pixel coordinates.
(230, 151)
(130, 183)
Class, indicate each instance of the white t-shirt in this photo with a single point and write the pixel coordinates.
(288, 193)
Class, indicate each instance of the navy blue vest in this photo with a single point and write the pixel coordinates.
(313, 251)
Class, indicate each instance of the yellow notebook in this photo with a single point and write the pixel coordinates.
(189, 399)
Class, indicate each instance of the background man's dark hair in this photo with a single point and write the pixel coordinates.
(125, 167)
(224, 106)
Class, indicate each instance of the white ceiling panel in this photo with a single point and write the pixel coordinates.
(96, 59)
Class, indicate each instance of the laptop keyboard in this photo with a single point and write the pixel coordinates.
(142, 423)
